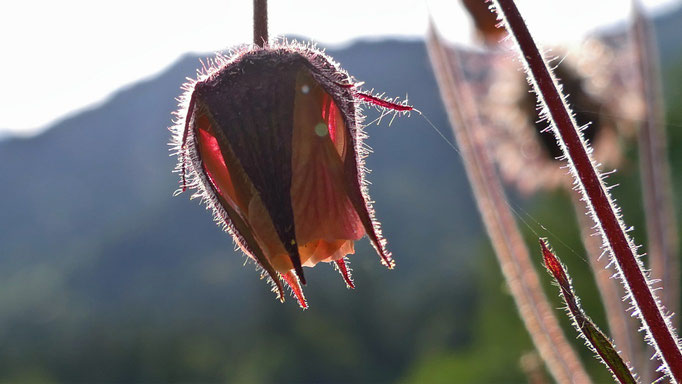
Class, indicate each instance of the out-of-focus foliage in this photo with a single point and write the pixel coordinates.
(499, 334)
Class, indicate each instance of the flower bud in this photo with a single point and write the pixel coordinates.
(271, 139)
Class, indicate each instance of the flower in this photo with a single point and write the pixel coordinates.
(272, 140)
(594, 77)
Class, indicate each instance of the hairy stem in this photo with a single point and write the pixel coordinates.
(661, 226)
(260, 22)
(622, 328)
(596, 195)
(512, 253)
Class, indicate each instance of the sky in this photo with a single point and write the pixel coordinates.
(61, 56)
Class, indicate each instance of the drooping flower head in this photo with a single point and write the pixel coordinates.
(594, 78)
(271, 139)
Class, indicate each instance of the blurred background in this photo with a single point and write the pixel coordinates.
(105, 277)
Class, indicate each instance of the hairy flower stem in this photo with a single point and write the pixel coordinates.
(661, 226)
(622, 328)
(596, 195)
(510, 249)
(260, 22)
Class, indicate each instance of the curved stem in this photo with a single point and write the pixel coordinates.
(260, 22)
(596, 194)
(510, 249)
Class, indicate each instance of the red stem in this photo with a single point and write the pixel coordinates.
(260, 22)
(623, 329)
(656, 184)
(598, 198)
(510, 249)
